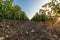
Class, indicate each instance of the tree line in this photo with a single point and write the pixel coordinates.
(53, 12)
(9, 11)
(14, 12)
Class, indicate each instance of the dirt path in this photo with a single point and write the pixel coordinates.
(27, 30)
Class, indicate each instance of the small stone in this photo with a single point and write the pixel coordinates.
(59, 38)
(8, 26)
(52, 38)
(9, 32)
(7, 36)
(42, 24)
(2, 38)
(27, 32)
(32, 30)
(3, 20)
(3, 29)
(2, 25)
(55, 36)
(15, 31)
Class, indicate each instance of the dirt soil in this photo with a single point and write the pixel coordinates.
(27, 30)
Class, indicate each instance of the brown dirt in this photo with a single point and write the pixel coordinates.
(27, 30)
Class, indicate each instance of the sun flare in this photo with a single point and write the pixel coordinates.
(59, 18)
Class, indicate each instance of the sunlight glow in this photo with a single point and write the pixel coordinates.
(56, 22)
(59, 19)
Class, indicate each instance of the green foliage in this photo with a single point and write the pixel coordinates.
(38, 17)
(7, 11)
(44, 17)
(22, 16)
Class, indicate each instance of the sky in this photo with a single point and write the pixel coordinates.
(30, 7)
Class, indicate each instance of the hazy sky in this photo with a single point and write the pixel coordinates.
(30, 6)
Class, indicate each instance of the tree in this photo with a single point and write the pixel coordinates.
(55, 7)
(36, 17)
(16, 10)
(7, 11)
(23, 17)
(44, 17)
(1, 15)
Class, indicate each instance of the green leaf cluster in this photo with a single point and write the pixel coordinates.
(9, 11)
(38, 17)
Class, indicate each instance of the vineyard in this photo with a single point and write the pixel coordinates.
(15, 24)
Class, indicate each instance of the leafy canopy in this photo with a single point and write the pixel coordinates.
(7, 11)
